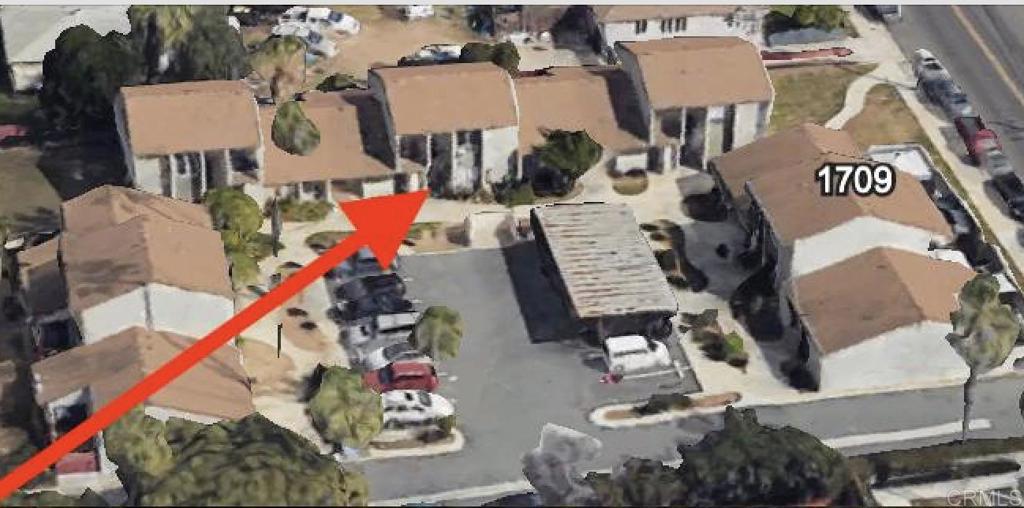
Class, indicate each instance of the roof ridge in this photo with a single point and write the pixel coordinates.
(888, 254)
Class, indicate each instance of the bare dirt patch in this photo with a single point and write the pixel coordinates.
(436, 236)
(269, 373)
(384, 39)
(306, 337)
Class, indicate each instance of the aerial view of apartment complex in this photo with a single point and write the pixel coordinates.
(511, 255)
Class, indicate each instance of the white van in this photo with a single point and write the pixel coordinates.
(627, 354)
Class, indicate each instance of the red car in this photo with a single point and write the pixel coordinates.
(404, 375)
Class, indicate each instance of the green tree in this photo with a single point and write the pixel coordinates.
(344, 411)
(502, 54)
(337, 81)
(572, 153)
(292, 131)
(984, 332)
(238, 218)
(825, 17)
(506, 56)
(247, 462)
(438, 332)
(743, 464)
(54, 498)
(212, 50)
(282, 62)
(158, 31)
(83, 74)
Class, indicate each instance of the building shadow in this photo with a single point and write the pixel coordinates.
(543, 309)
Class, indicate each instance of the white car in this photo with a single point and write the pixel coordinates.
(318, 18)
(439, 53)
(407, 408)
(416, 11)
(382, 326)
(627, 354)
(315, 43)
(383, 356)
(927, 66)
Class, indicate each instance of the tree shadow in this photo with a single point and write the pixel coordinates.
(76, 168)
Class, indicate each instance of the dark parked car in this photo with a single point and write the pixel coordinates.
(390, 283)
(1011, 189)
(372, 305)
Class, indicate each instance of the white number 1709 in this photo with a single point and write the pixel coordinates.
(861, 179)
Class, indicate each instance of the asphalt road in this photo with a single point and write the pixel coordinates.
(952, 36)
(510, 379)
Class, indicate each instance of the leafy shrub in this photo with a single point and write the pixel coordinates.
(325, 239)
(518, 195)
(661, 402)
(294, 210)
(293, 132)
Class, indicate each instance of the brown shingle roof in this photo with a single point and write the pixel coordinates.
(594, 99)
(350, 129)
(779, 152)
(111, 205)
(190, 116)
(42, 281)
(446, 98)
(105, 263)
(620, 13)
(875, 292)
(217, 386)
(700, 71)
(786, 196)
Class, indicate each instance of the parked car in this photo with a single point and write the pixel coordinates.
(438, 53)
(403, 375)
(382, 326)
(315, 43)
(925, 65)
(361, 264)
(321, 18)
(384, 356)
(372, 305)
(410, 408)
(626, 354)
(976, 137)
(371, 284)
(948, 95)
(416, 11)
(995, 162)
(1011, 189)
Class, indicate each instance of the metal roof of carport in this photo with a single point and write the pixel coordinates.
(606, 264)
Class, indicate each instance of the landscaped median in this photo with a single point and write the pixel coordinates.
(660, 408)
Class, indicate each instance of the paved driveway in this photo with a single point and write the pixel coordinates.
(519, 367)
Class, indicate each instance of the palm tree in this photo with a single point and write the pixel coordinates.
(438, 332)
(984, 332)
(160, 29)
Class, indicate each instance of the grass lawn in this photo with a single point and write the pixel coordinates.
(886, 119)
(811, 93)
(26, 196)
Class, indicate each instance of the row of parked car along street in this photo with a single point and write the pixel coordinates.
(981, 143)
(377, 320)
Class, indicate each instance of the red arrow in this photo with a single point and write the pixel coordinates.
(380, 223)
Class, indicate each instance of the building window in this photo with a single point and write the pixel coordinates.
(666, 25)
(680, 24)
(181, 164)
(641, 26)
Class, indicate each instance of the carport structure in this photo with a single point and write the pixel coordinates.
(597, 257)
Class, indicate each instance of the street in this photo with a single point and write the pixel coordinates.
(951, 36)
